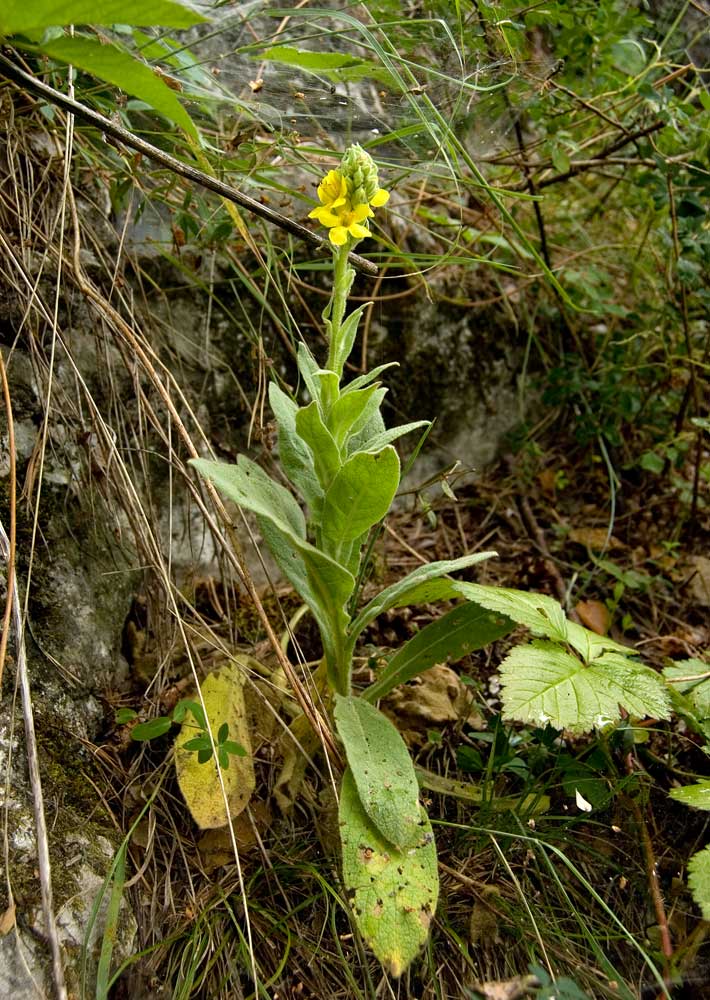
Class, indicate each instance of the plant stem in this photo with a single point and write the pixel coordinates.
(341, 287)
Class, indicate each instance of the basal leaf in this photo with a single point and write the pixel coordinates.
(223, 694)
(542, 615)
(248, 485)
(452, 636)
(544, 683)
(699, 880)
(107, 62)
(20, 16)
(325, 452)
(359, 496)
(697, 795)
(397, 595)
(393, 893)
(295, 455)
(382, 770)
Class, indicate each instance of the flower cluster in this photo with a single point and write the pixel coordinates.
(347, 197)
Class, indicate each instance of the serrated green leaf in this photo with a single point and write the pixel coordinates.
(295, 455)
(590, 645)
(199, 781)
(248, 485)
(699, 880)
(452, 636)
(542, 615)
(326, 455)
(359, 496)
(697, 795)
(382, 770)
(19, 16)
(393, 894)
(152, 729)
(109, 63)
(544, 683)
(398, 594)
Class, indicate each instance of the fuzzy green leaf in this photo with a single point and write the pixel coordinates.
(349, 413)
(19, 16)
(362, 380)
(697, 795)
(544, 683)
(542, 615)
(380, 437)
(359, 496)
(346, 337)
(248, 485)
(393, 893)
(699, 880)
(382, 770)
(108, 62)
(295, 455)
(325, 452)
(398, 594)
(452, 636)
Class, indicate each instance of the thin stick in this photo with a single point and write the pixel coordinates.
(43, 862)
(13, 514)
(19, 76)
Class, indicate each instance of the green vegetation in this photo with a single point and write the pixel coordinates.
(481, 765)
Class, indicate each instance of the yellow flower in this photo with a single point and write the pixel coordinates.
(333, 193)
(347, 223)
(380, 197)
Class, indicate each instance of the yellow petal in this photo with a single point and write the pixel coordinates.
(359, 232)
(360, 213)
(325, 216)
(381, 197)
(338, 235)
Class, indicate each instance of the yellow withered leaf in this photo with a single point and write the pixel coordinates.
(223, 694)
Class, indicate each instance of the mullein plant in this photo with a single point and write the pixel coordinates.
(338, 457)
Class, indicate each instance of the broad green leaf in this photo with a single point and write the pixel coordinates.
(382, 770)
(20, 16)
(359, 496)
(324, 585)
(312, 430)
(248, 485)
(109, 63)
(393, 893)
(382, 438)
(349, 415)
(697, 795)
(296, 457)
(223, 694)
(397, 595)
(699, 880)
(452, 636)
(542, 615)
(544, 683)
(590, 645)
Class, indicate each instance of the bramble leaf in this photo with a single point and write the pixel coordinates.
(393, 893)
(544, 683)
(699, 880)
(697, 795)
(542, 615)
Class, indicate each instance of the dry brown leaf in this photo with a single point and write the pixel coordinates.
(700, 581)
(7, 920)
(215, 846)
(594, 615)
(435, 698)
(510, 989)
(595, 539)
